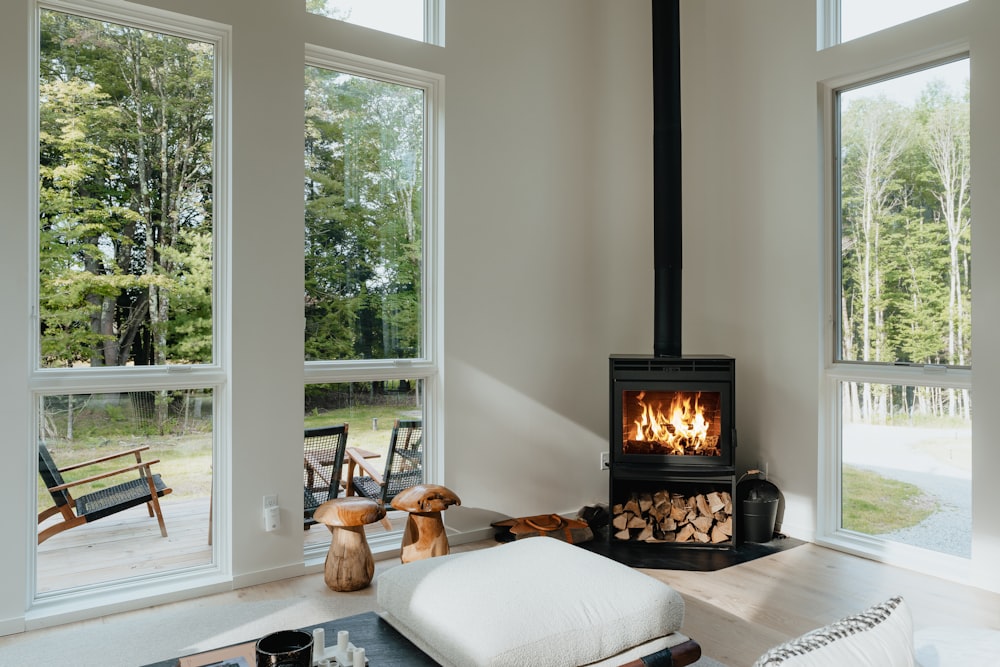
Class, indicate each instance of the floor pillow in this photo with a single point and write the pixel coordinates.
(536, 601)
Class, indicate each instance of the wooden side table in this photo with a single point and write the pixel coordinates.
(349, 565)
(424, 535)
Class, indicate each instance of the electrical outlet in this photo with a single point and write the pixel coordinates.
(605, 461)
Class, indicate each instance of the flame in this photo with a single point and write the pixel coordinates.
(681, 428)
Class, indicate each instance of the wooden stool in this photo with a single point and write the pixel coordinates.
(349, 563)
(424, 535)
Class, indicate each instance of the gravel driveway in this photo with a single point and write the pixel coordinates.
(894, 453)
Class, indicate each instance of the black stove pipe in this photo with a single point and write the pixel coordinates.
(667, 247)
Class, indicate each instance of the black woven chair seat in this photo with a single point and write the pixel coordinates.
(368, 487)
(311, 500)
(105, 502)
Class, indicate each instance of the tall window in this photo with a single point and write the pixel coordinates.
(903, 348)
(126, 290)
(369, 260)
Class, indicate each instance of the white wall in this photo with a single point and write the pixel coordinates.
(754, 239)
(546, 253)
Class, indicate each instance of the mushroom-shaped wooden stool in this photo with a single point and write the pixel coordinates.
(424, 535)
(349, 562)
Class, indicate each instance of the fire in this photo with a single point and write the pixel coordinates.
(680, 429)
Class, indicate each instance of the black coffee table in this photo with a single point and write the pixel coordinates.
(383, 644)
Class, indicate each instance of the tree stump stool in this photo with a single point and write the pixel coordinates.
(424, 535)
(349, 562)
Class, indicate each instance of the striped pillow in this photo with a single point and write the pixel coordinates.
(881, 636)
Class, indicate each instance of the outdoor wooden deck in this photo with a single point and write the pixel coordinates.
(129, 544)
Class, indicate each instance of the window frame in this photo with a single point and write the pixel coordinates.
(215, 375)
(829, 531)
(427, 367)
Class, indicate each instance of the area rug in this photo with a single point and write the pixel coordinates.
(707, 662)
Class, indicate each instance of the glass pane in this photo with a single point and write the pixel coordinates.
(398, 17)
(118, 541)
(905, 217)
(863, 17)
(125, 195)
(369, 409)
(364, 226)
(907, 461)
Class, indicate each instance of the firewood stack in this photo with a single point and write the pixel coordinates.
(705, 518)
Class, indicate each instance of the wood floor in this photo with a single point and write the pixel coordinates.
(735, 614)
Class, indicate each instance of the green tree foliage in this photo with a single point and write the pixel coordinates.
(125, 165)
(363, 203)
(905, 246)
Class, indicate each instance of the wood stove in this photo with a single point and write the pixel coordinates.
(672, 447)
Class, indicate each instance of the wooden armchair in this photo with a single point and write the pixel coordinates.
(403, 465)
(323, 459)
(145, 487)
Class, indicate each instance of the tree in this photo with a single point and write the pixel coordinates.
(364, 247)
(126, 118)
(905, 246)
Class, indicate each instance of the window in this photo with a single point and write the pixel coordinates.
(127, 291)
(415, 19)
(864, 17)
(903, 308)
(370, 289)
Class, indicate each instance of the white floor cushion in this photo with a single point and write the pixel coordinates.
(537, 601)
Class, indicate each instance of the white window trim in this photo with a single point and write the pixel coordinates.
(48, 382)
(828, 530)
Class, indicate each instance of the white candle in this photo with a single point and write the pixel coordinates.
(342, 640)
(319, 644)
(359, 657)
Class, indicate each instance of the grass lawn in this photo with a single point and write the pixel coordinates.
(874, 505)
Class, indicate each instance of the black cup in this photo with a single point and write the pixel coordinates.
(285, 648)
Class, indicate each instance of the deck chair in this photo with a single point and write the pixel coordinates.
(323, 458)
(403, 465)
(146, 487)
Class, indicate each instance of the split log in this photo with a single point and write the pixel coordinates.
(645, 502)
(620, 521)
(718, 535)
(685, 533)
(623, 535)
(703, 523)
(715, 502)
(646, 534)
(701, 537)
(678, 514)
(702, 505)
(636, 522)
